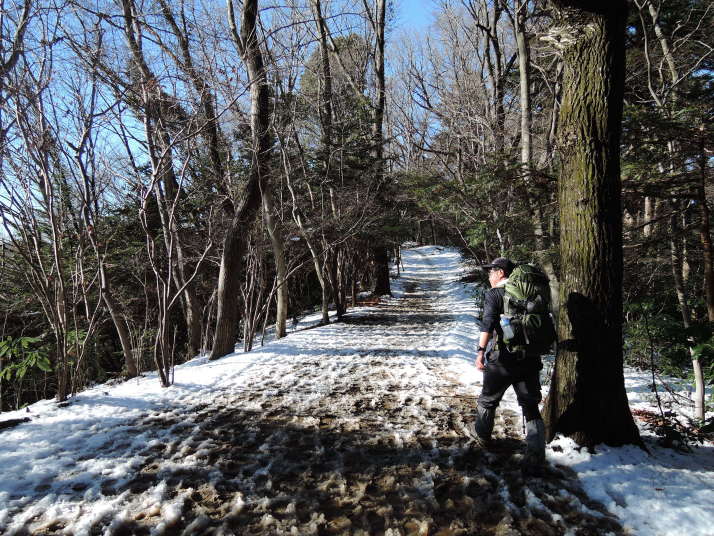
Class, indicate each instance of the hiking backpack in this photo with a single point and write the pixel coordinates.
(526, 306)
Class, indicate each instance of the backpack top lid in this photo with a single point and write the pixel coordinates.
(527, 283)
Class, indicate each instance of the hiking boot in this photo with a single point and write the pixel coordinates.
(471, 432)
(482, 426)
(535, 443)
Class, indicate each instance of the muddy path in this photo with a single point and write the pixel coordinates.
(362, 442)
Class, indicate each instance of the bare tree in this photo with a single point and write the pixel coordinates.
(235, 241)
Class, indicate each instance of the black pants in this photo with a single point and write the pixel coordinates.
(524, 377)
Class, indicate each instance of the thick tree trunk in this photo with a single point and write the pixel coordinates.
(235, 242)
(381, 272)
(587, 400)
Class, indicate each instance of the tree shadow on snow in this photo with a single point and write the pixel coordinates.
(327, 472)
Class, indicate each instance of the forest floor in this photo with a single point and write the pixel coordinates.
(353, 428)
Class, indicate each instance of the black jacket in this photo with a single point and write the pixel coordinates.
(492, 311)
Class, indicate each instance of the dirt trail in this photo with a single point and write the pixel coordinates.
(365, 443)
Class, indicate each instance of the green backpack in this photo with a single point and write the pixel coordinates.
(526, 305)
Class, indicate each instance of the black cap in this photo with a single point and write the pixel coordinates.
(501, 262)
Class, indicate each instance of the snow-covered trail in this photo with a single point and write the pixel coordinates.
(351, 428)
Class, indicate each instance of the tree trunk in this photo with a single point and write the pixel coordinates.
(297, 218)
(706, 239)
(323, 269)
(705, 234)
(281, 269)
(119, 324)
(680, 263)
(547, 159)
(326, 83)
(173, 242)
(664, 44)
(526, 153)
(333, 273)
(381, 273)
(235, 242)
(648, 217)
(587, 400)
(699, 391)
(525, 85)
(545, 261)
(381, 256)
(342, 279)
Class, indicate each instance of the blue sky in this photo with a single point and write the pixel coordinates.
(414, 14)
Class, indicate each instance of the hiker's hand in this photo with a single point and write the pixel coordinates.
(479, 361)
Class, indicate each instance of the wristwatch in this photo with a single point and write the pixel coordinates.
(480, 349)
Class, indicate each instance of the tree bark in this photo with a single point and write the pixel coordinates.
(527, 150)
(649, 215)
(120, 324)
(326, 82)
(381, 272)
(705, 233)
(381, 255)
(679, 287)
(235, 242)
(281, 268)
(587, 400)
(525, 86)
(333, 274)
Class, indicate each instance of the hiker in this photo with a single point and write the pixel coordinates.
(502, 368)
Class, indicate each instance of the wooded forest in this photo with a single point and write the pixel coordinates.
(177, 178)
